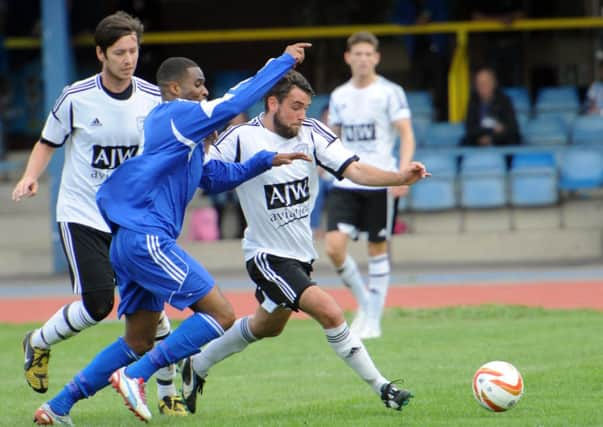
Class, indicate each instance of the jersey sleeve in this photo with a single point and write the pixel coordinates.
(397, 104)
(329, 152)
(227, 148)
(207, 116)
(58, 123)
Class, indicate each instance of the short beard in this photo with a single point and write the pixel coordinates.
(282, 130)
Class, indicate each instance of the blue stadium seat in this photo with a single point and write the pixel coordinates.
(419, 126)
(520, 98)
(588, 130)
(319, 102)
(438, 192)
(560, 101)
(444, 134)
(483, 180)
(580, 169)
(545, 131)
(533, 179)
(421, 104)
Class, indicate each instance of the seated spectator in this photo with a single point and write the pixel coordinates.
(594, 96)
(490, 116)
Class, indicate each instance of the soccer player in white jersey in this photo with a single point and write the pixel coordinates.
(367, 112)
(278, 245)
(99, 121)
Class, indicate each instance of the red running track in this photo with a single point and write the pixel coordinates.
(564, 295)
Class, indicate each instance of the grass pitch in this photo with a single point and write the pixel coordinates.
(296, 380)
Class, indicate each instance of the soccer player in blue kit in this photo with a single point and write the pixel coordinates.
(144, 204)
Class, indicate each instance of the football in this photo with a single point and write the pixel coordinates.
(497, 386)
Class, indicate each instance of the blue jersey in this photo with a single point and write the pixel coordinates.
(149, 193)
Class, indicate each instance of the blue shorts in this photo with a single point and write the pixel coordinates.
(152, 270)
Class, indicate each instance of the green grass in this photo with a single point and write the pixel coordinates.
(297, 380)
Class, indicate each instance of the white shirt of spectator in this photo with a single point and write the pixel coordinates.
(278, 203)
(99, 133)
(366, 119)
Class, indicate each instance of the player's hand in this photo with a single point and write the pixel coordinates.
(297, 51)
(401, 191)
(414, 172)
(287, 158)
(26, 187)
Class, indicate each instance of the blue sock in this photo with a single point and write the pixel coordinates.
(185, 340)
(93, 377)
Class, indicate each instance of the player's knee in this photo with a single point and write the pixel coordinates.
(334, 250)
(140, 345)
(269, 330)
(99, 304)
(331, 317)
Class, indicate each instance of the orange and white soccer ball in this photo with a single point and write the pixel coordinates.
(497, 386)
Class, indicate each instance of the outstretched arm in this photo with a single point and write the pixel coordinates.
(219, 176)
(38, 161)
(365, 174)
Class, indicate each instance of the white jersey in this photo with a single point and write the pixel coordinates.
(277, 204)
(99, 133)
(366, 116)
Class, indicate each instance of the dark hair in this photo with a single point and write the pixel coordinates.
(282, 88)
(363, 37)
(111, 28)
(173, 69)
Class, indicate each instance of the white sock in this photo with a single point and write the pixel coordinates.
(165, 376)
(348, 346)
(379, 274)
(68, 321)
(234, 340)
(352, 279)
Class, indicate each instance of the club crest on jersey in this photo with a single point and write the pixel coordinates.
(110, 157)
(361, 132)
(140, 122)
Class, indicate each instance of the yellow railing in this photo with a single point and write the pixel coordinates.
(458, 77)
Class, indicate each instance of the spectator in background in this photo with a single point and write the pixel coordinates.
(429, 54)
(325, 182)
(490, 116)
(594, 96)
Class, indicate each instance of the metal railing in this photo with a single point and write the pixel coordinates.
(458, 75)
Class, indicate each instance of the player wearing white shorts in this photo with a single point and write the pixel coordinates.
(99, 122)
(278, 245)
(367, 112)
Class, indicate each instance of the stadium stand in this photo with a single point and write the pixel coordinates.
(437, 192)
(533, 180)
(581, 169)
(547, 130)
(588, 130)
(561, 101)
(444, 134)
(483, 180)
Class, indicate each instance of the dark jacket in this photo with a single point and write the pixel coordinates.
(500, 109)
